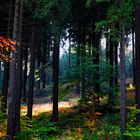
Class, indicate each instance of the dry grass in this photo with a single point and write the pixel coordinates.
(47, 107)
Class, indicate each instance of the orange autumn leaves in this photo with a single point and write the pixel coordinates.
(6, 45)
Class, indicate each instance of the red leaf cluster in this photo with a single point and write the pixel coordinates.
(6, 45)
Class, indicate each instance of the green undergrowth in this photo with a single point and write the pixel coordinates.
(133, 128)
(74, 125)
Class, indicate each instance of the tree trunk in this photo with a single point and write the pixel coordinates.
(111, 60)
(48, 61)
(5, 86)
(116, 66)
(111, 97)
(38, 57)
(78, 61)
(44, 63)
(96, 52)
(11, 96)
(137, 71)
(122, 80)
(133, 52)
(6, 68)
(83, 60)
(31, 76)
(19, 73)
(69, 59)
(25, 73)
(55, 79)
(107, 47)
(95, 55)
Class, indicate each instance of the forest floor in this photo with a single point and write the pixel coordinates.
(72, 124)
(43, 104)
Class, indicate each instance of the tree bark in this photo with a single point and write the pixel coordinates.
(122, 81)
(55, 79)
(69, 58)
(5, 86)
(44, 63)
(116, 66)
(137, 43)
(95, 54)
(78, 61)
(19, 73)
(6, 68)
(133, 54)
(11, 96)
(38, 57)
(107, 47)
(31, 76)
(25, 73)
(111, 97)
(83, 60)
(48, 61)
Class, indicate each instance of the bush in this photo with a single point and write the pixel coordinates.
(133, 130)
(43, 128)
(108, 129)
(3, 122)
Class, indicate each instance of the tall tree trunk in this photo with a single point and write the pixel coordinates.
(78, 61)
(32, 70)
(69, 59)
(55, 79)
(111, 60)
(83, 60)
(111, 97)
(133, 51)
(6, 68)
(116, 66)
(107, 47)
(11, 96)
(137, 35)
(19, 73)
(48, 61)
(5, 86)
(25, 72)
(122, 80)
(38, 57)
(44, 63)
(95, 55)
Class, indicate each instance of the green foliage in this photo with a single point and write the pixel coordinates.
(39, 128)
(65, 90)
(52, 9)
(89, 102)
(92, 2)
(43, 128)
(3, 122)
(102, 0)
(133, 129)
(26, 128)
(107, 129)
(28, 5)
(90, 69)
(26, 124)
(115, 14)
(2, 114)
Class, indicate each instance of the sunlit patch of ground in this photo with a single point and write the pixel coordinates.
(45, 107)
(40, 105)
